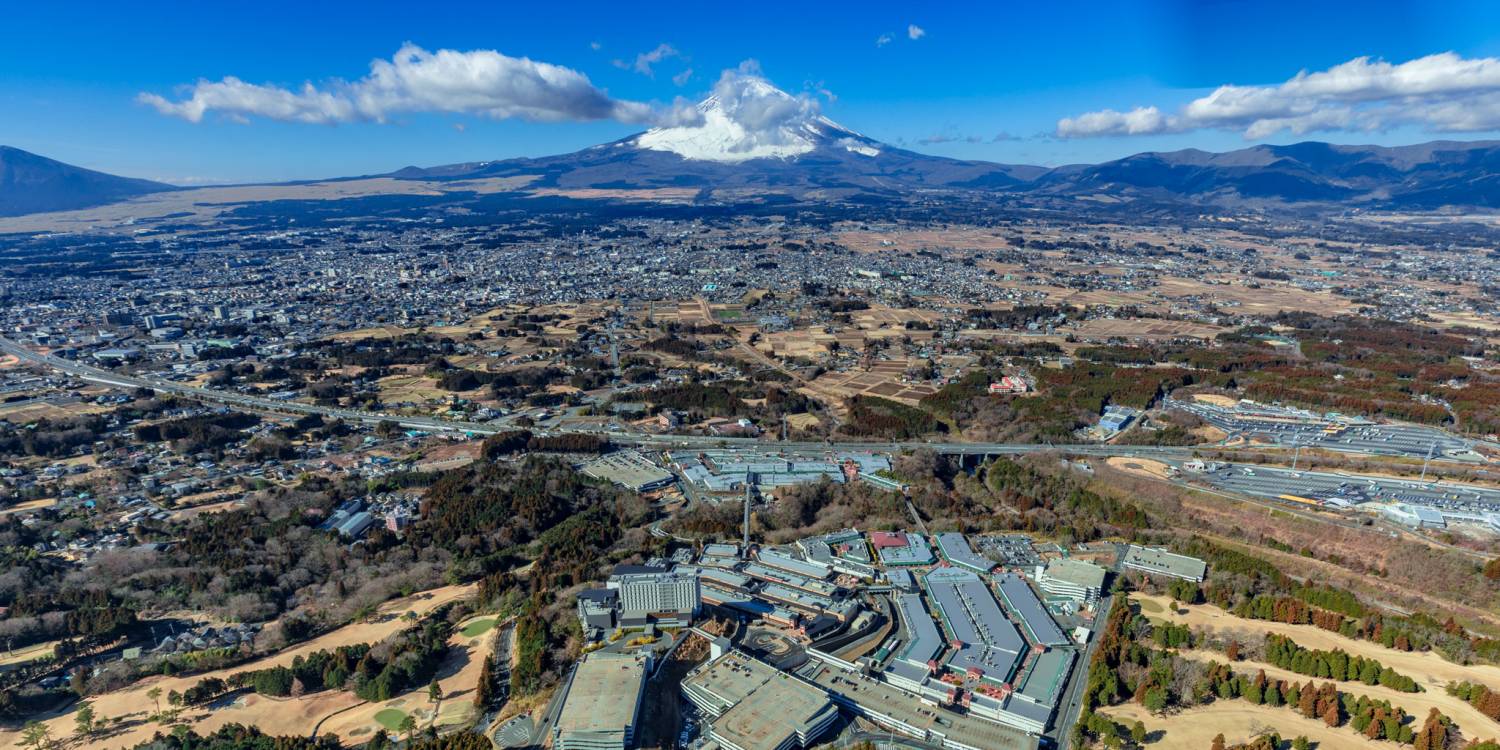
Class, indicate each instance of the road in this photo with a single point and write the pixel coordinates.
(433, 424)
(1067, 713)
(543, 728)
(1274, 482)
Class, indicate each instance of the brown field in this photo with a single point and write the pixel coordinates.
(279, 716)
(1238, 721)
(27, 506)
(395, 389)
(903, 240)
(32, 412)
(378, 332)
(207, 507)
(209, 202)
(1139, 466)
(795, 343)
(27, 653)
(1145, 328)
(1216, 399)
(883, 321)
(803, 421)
(648, 195)
(882, 380)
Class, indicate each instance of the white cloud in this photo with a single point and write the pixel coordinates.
(759, 107)
(682, 78)
(882, 40)
(1443, 92)
(1139, 121)
(915, 32)
(645, 60)
(478, 82)
(595, 46)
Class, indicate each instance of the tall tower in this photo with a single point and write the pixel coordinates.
(745, 546)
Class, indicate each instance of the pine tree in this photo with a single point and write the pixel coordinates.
(484, 692)
(1218, 743)
(1307, 701)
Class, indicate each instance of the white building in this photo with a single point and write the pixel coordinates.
(1075, 579)
(651, 594)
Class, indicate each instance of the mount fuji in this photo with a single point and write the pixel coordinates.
(749, 142)
(747, 135)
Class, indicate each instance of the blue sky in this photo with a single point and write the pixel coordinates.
(982, 80)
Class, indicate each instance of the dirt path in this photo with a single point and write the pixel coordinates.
(277, 716)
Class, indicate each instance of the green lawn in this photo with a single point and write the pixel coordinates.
(478, 627)
(390, 718)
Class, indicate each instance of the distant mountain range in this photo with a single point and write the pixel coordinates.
(33, 184)
(809, 157)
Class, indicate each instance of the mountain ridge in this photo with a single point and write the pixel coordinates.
(753, 136)
(792, 150)
(30, 183)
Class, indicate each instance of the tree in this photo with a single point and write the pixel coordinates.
(1156, 700)
(1301, 743)
(409, 727)
(1218, 743)
(484, 691)
(1307, 701)
(36, 735)
(1331, 717)
(434, 692)
(1138, 733)
(155, 695)
(83, 719)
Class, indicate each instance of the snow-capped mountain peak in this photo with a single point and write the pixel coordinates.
(748, 118)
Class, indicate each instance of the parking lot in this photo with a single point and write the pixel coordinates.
(1292, 427)
(1260, 481)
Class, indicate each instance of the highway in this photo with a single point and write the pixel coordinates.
(1270, 482)
(682, 442)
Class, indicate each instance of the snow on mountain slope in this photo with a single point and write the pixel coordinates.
(748, 118)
